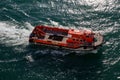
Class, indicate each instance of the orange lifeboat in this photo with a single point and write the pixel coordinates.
(76, 40)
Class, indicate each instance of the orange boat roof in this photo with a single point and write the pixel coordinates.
(79, 32)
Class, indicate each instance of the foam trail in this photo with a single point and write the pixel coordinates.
(10, 34)
(29, 58)
(9, 61)
(118, 77)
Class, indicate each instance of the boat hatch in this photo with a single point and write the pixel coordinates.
(56, 37)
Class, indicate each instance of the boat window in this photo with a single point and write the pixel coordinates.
(56, 37)
(73, 39)
(77, 40)
(87, 36)
(81, 40)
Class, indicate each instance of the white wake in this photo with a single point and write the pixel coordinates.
(12, 34)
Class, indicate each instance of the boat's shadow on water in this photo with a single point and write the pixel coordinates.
(38, 51)
(70, 65)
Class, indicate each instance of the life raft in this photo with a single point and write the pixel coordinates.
(71, 39)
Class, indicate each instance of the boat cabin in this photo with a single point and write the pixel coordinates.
(62, 37)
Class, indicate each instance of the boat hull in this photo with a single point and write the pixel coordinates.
(66, 51)
(82, 41)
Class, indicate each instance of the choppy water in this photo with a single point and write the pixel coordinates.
(18, 18)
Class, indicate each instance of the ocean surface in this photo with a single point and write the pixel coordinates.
(17, 20)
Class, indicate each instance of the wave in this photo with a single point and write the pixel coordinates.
(9, 61)
(12, 34)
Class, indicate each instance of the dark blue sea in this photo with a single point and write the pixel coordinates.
(19, 17)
